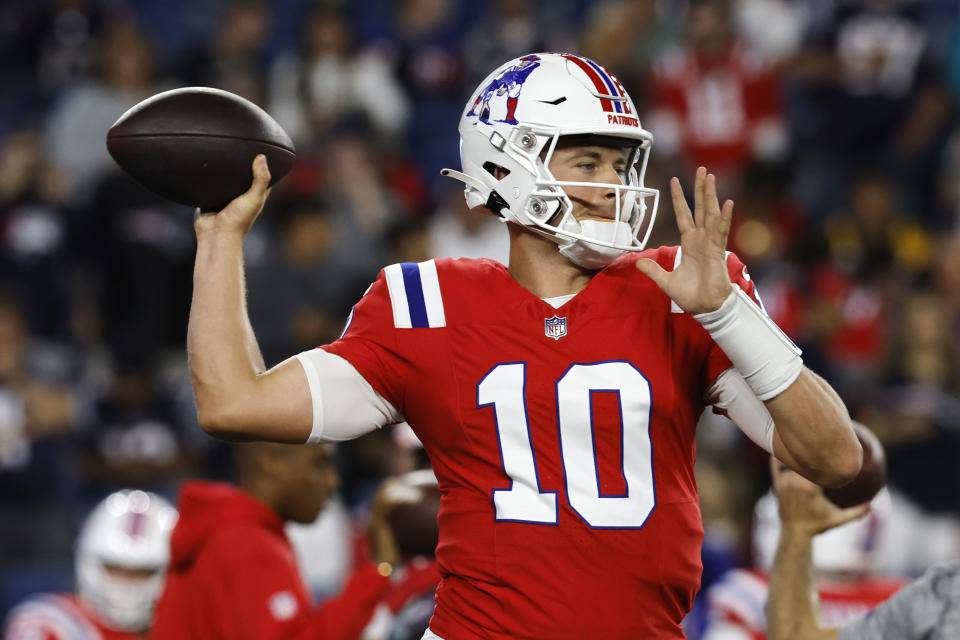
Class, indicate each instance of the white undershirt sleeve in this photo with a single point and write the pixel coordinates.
(731, 393)
(345, 406)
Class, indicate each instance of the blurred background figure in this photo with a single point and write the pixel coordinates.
(715, 102)
(233, 571)
(121, 560)
(456, 231)
(408, 505)
(845, 560)
(236, 60)
(869, 89)
(76, 127)
(925, 608)
(329, 80)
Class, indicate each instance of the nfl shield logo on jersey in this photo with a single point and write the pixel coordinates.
(555, 327)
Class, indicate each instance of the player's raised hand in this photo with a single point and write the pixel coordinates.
(238, 216)
(701, 282)
(803, 507)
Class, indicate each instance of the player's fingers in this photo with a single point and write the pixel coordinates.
(680, 207)
(653, 271)
(776, 468)
(725, 219)
(256, 195)
(261, 172)
(711, 206)
(851, 513)
(699, 188)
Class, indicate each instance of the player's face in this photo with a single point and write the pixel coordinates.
(590, 163)
(310, 481)
(128, 574)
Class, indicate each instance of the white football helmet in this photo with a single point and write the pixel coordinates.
(849, 548)
(129, 529)
(514, 120)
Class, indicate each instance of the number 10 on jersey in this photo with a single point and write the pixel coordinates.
(504, 389)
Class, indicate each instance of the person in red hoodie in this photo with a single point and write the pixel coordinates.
(233, 573)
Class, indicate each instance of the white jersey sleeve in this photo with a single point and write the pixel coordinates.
(49, 616)
(731, 394)
(345, 406)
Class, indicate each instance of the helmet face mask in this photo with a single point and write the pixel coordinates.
(122, 556)
(545, 100)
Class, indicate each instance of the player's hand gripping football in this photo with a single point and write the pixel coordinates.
(803, 507)
(238, 216)
(701, 282)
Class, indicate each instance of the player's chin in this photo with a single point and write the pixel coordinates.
(307, 513)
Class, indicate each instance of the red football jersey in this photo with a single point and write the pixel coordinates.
(740, 599)
(562, 440)
(58, 617)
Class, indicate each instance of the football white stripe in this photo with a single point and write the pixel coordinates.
(398, 296)
(431, 294)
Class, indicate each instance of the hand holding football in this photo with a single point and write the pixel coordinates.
(196, 145)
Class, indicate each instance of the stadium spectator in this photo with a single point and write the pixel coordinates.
(716, 103)
(121, 559)
(132, 252)
(915, 407)
(139, 432)
(925, 609)
(870, 92)
(236, 59)
(424, 46)
(330, 79)
(77, 125)
(38, 409)
(34, 242)
(292, 295)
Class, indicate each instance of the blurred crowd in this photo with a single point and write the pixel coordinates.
(831, 123)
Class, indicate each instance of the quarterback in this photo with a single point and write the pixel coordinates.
(557, 397)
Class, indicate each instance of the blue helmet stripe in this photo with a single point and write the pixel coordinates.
(608, 82)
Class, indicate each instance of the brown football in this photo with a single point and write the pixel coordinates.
(413, 514)
(872, 476)
(196, 145)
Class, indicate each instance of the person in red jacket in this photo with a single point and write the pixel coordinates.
(232, 570)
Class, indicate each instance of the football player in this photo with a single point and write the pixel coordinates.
(122, 555)
(556, 397)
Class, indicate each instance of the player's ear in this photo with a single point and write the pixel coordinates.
(496, 170)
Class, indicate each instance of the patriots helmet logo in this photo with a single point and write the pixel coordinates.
(555, 327)
(509, 83)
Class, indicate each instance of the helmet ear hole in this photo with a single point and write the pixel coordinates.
(496, 170)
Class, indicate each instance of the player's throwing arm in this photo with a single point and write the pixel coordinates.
(236, 398)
